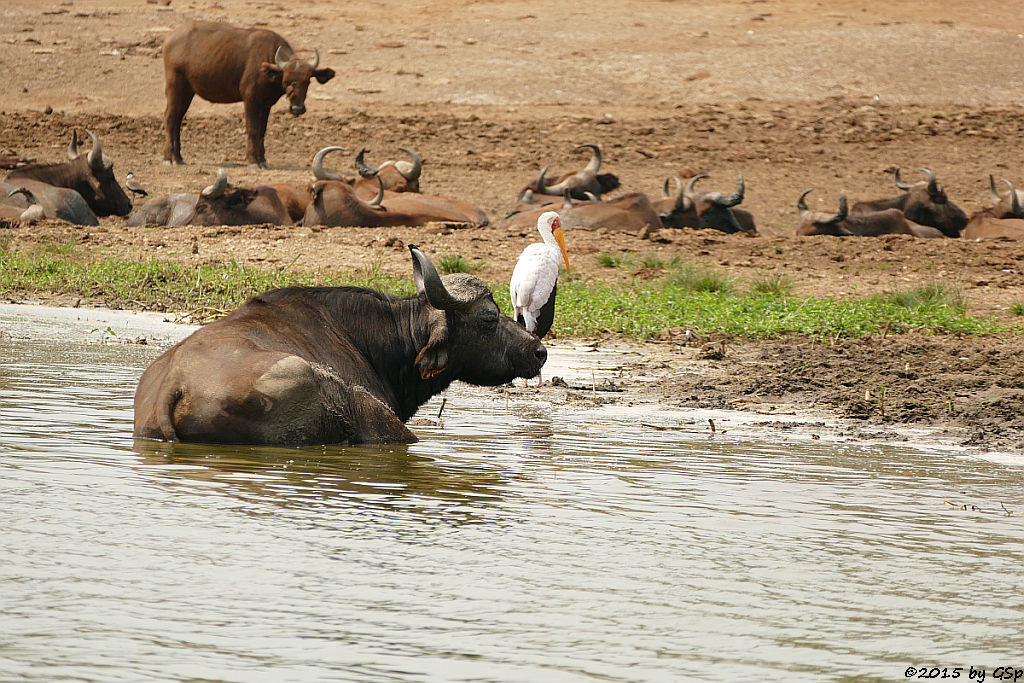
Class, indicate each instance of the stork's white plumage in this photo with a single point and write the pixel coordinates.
(534, 279)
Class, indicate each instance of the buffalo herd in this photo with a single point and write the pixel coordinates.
(312, 365)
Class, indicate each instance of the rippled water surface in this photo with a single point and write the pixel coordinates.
(515, 542)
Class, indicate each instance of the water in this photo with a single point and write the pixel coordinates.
(516, 541)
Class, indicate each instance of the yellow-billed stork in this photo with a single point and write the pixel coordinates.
(535, 277)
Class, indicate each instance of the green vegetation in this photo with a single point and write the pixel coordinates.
(687, 296)
(777, 283)
(456, 263)
(1017, 307)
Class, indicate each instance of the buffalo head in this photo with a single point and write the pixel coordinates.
(925, 202)
(93, 178)
(817, 223)
(293, 75)
(468, 337)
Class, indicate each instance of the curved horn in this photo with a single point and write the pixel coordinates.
(277, 57)
(801, 205)
(365, 170)
(380, 194)
(428, 282)
(899, 181)
(842, 209)
(595, 159)
(217, 189)
(318, 164)
(682, 202)
(29, 197)
(735, 198)
(316, 59)
(1014, 199)
(692, 182)
(933, 184)
(992, 188)
(592, 197)
(96, 160)
(540, 179)
(417, 166)
(73, 145)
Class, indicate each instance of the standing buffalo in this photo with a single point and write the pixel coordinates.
(317, 365)
(924, 202)
(90, 174)
(223, 63)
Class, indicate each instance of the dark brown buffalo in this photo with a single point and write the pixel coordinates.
(223, 63)
(332, 364)
(396, 176)
(222, 204)
(690, 209)
(873, 224)
(579, 183)
(924, 202)
(89, 174)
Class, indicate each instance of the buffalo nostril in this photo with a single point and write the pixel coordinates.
(541, 353)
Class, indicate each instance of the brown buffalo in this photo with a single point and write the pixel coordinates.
(690, 209)
(629, 213)
(171, 210)
(223, 63)
(396, 176)
(35, 200)
(222, 204)
(318, 365)
(982, 227)
(873, 224)
(1009, 204)
(924, 202)
(579, 183)
(90, 174)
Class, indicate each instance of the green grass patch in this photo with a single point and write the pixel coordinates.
(457, 263)
(776, 284)
(1017, 307)
(687, 297)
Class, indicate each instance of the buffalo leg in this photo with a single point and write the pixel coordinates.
(256, 117)
(179, 97)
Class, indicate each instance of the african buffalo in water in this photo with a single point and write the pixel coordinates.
(223, 63)
(690, 209)
(924, 202)
(332, 364)
(89, 174)
(873, 224)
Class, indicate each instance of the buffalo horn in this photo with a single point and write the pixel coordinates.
(933, 184)
(595, 159)
(682, 201)
(415, 168)
(842, 209)
(219, 185)
(316, 59)
(375, 202)
(1014, 199)
(732, 199)
(365, 170)
(96, 159)
(318, 164)
(277, 57)
(899, 181)
(693, 182)
(992, 188)
(566, 199)
(428, 282)
(801, 205)
(73, 146)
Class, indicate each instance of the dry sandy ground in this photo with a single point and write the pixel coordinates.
(488, 92)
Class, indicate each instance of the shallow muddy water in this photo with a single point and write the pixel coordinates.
(515, 542)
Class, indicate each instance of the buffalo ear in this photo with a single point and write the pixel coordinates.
(271, 72)
(323, 75)
(432, 359)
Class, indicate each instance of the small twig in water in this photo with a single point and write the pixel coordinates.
(444, 400)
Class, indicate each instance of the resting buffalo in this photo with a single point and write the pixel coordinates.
(222, 204)
(170, 209)
(873, 224)
(397, 176)
(89, 174)
(46, 201)
(332, 364)
(924, 202)
(223, 63)
(579, 183)
(690, 209)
